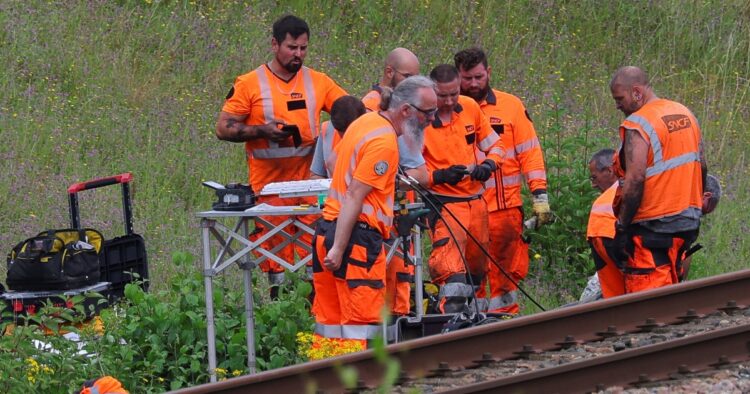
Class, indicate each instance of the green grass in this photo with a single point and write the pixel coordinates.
(92, 89)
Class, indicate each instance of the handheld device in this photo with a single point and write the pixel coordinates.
(293, 130)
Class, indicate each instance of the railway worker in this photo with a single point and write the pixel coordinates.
(400, 64)
(523, 161)
(711, 197)
(457, 175)
(264, 108)
(344, 111)
(348, 255)
(601, 227)
(663, 173)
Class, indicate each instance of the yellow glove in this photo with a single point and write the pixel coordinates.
(541, 209)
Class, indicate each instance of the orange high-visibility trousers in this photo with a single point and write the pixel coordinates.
(511, 253)
(654, 259)
(447, 258)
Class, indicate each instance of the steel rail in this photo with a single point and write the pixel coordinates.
(629, 368)
(506, 339)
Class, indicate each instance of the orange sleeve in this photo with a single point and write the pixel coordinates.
(378, 155)
(529, 150)
(332, 92)
(240, 97)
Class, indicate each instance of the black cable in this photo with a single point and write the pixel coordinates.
(455, 240)
(427, 196)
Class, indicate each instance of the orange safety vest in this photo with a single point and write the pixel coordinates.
(368, 152)
(372, 99)
(523, 153)
(673, 184)
(457, 142)
(266, 98)
(602, 218)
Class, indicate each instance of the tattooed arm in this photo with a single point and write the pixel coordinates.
(636, 161)
(230, 127)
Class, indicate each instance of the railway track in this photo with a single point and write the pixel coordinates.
(627, 341)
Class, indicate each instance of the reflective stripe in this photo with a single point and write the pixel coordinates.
(602, 208)
(496, 151)
(280, 153)
(328, 330)
(268, 112)
(347, 331)
(509, 180)
(488, 141)
(536, 174)
(368, 209)
(93, 390)
(675, 162)
(646, 126)
(504, 300)
(660, 165)
(510, 154)
(357, 331)
(334, 194)
(265, 93)
(310, 98)
(528, 145)
(456, 290)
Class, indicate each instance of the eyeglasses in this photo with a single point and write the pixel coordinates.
(426, 112)
(405, 75)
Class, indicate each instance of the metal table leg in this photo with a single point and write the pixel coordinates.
(247, 268)
(208, 276)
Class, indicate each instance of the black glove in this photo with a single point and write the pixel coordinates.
(483, 171)
(620, 245)
(451, 175)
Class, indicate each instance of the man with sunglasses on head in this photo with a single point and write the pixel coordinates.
(275, 111)
(457, 177)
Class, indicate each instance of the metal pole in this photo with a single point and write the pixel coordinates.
(209, 288)
(247, 268)
(418, 285)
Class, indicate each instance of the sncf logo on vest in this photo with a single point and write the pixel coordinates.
(676, 122)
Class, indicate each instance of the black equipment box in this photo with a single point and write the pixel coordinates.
(232, 196)
(123, 259)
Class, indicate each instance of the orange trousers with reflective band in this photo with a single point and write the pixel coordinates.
(446, 257)
(510, 252)
(355, 293)
(287, 252)
(655, 258)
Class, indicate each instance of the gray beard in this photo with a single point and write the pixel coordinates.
(413, 134)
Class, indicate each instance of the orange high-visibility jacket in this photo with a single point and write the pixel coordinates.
(266, 98)
(523, 153)
(673, 183)
(602, 218)
(456, 143)
(368, 152)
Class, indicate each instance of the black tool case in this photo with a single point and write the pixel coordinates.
(123, 256)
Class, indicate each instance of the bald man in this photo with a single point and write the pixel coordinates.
(663, 172)
(400, 64)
